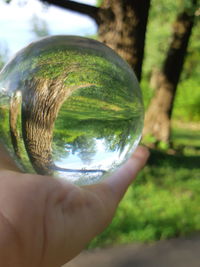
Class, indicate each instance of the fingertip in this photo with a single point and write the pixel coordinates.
(140, 155)
(141, 152)
(124, 176)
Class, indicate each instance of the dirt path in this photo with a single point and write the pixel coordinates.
(182, 252)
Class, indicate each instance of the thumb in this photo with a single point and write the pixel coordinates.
(122, 178)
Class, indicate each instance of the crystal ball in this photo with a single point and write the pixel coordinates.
(70, 107)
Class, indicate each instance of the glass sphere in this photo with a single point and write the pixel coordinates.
(70, 107)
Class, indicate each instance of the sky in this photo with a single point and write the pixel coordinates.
(15, 23)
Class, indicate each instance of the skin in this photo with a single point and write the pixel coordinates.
(46, 222)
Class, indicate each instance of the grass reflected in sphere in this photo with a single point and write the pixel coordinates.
(70, 107)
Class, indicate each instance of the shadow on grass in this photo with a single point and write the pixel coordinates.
(159, 158)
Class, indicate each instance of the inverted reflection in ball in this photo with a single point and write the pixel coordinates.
(69, 107)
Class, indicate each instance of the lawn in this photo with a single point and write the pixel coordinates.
(164, 201)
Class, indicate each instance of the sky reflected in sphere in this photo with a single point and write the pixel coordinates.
(70, 107)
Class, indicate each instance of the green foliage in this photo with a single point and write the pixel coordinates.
(5, 138)
(159, 29)
(192, 66)
(187, 102)
(39, 26)
(99, 3)
(162, 203)
(147, 91)
(4, 129)
(3, 54)
(162, 15)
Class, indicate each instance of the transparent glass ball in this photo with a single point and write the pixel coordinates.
(70, 107)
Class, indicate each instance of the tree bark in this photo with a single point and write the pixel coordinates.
(42, 100)
(14, 112)
(158, 116)
(123, 28)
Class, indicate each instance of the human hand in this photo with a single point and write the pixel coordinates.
(45, 222)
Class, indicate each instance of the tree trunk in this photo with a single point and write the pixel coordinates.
(14, 112)
(123, 28)
(158, 116)
(42, 100)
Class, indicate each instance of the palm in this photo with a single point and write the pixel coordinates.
(46, 222)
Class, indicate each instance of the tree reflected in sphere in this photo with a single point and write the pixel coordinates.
(70, 107)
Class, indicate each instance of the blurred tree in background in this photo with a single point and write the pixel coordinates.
(163, 13)
(166, 80)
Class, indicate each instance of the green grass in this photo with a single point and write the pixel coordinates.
(186, 138)
(163, 202)
(84, 108)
